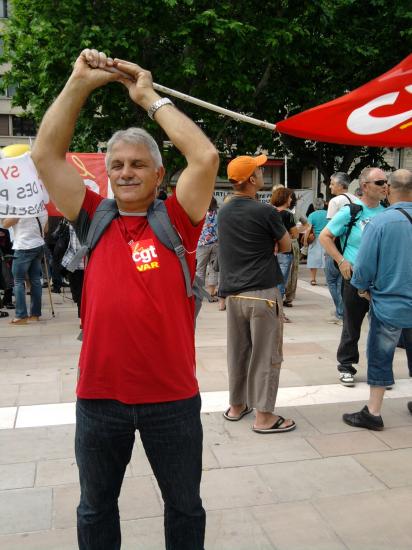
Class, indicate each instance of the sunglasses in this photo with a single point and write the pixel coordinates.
(381, 183)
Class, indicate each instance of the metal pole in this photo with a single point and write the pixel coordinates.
(286, 170)
(48, 281)
(201, 103)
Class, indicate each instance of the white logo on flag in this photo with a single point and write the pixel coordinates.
(361, 122)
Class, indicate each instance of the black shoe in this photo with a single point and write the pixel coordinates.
(287, 304)
(409, 405)
(10, 306)
(56, 290)
(364, 419)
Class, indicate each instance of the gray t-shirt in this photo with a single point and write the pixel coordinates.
(248, 231)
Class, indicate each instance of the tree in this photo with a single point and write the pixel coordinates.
(287, 58)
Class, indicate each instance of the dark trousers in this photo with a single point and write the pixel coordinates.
(171, 434)
(76, 287)
(354, 310)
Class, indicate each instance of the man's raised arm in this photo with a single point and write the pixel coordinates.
(196, 182)
(62, 181)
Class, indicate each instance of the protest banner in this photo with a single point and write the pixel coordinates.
(22, 194)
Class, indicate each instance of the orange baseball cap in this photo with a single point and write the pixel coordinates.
(241, 168)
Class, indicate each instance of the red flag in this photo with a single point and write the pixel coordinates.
(92, 169)
(378, 114)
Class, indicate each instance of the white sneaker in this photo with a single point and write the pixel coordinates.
(347, 379)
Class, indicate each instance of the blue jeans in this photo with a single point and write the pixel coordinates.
(382, 342)
(27, 263)
(334, 281)
(172, 437)
(285, 263)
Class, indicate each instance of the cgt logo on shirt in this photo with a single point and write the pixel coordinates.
(144, 255)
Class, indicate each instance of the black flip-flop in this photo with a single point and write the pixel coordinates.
(246, 410)
(3, 314)
(276, 428)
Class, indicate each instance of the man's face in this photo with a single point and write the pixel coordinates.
(373, 191)
(258, 178)
(335, 187)
(133, 176)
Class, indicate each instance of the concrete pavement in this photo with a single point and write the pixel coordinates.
(324, 486)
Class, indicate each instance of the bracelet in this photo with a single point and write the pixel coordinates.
(341, 262)
(157, 104)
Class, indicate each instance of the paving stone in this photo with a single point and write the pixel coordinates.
(17, 476)
(327, 418)
(33, 444)
(55, 539)
(235, 530)
(143, 534)
(347, 443)
(8, 394)
(371, 521)
(233, 487)
(57, 472)
(397, 438)
(394, 468)
(25, 510)
(39, 393)
(296, 526)
(308, 479)
(268, 449)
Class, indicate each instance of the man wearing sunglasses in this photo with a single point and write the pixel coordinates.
(373, 183)
(383, 275)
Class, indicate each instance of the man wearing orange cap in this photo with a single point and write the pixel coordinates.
(249, 232)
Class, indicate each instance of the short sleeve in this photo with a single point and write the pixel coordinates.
(337, 224)
(188, 232)
(277, 228)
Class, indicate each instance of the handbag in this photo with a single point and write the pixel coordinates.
(311, 237)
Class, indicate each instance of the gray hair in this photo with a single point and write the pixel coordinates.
(318, 204)
(364, 175)
(401, 181)
(342, 179)
(135, 136)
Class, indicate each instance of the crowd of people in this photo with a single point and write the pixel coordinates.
(252, 250)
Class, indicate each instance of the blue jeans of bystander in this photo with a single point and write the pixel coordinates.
(285, 263)
(334, 281)
(382, 341)
(171, 434)
(27, 263)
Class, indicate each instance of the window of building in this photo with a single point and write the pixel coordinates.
(23, 126)
(4, 8)
(4, 125)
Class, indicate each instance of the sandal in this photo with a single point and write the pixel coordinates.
(213, 298)
(276, 428)
(19, 321)
(245, 411)
(313, 283)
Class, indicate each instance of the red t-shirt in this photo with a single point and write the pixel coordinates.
(138, 323)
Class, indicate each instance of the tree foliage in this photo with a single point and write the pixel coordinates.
(269, 61)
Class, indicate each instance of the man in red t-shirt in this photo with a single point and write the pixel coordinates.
(137, 363)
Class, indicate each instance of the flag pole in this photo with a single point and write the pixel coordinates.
(216, 108)
(201, 103)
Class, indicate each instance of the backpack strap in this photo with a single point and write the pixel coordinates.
(405, 213)
(348, 197)
(105, 213)
(354, 211)
(162, 227)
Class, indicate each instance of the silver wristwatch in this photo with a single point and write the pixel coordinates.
(156, 105)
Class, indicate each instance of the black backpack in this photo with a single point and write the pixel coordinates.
(160, 224)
